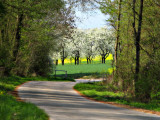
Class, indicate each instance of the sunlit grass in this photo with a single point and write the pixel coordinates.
(81, 70)
(100, 92)
(10, 109)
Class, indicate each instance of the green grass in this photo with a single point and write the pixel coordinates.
(10, 109)
(84, 70)
(100, 92)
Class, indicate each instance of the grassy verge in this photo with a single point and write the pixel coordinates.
(10, 109)
(100, 92)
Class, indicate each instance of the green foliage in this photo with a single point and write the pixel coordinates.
(124, 77)
(28, 34)
(2, 10)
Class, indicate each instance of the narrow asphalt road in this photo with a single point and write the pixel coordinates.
(61, 102)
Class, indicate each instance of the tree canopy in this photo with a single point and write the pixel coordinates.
(32, 32)
(136, 24)
(29, 32)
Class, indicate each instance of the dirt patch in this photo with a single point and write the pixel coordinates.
(15, 93)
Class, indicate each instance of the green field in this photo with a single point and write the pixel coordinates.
(84, 70)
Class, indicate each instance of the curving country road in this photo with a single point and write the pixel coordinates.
(61, 102)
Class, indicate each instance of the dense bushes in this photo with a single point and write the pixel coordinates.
(28, 34)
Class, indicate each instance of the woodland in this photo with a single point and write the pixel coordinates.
(137, 46)
(31, 31)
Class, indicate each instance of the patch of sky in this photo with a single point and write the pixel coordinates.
(90, 19)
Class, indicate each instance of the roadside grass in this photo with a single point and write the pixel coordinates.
(84, 70)
(100, 92)
(11, 109)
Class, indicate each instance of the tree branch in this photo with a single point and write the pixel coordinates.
(146, 51)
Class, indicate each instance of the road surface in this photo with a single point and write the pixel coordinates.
(61, 102)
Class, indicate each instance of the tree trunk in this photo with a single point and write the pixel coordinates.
(63, 56)
(118, 32)
(75, 59)
(138, 40)
(90, 60)
(56, 62)
(78, 60)
(62, 61)
(87, 60)
(18, 36)
(102, 59)
(2, 34)
(137, 44)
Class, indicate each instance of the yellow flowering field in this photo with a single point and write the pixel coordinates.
(97, 58)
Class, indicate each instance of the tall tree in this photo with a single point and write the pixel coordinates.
(137, 36)
(117, 44)
(28, 34)
(105, 42)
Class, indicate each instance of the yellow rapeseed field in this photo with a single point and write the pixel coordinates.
(97, 58)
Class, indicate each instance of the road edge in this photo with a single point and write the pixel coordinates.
(119, 105)
(15, 92)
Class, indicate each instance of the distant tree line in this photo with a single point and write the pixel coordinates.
(87, 44)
